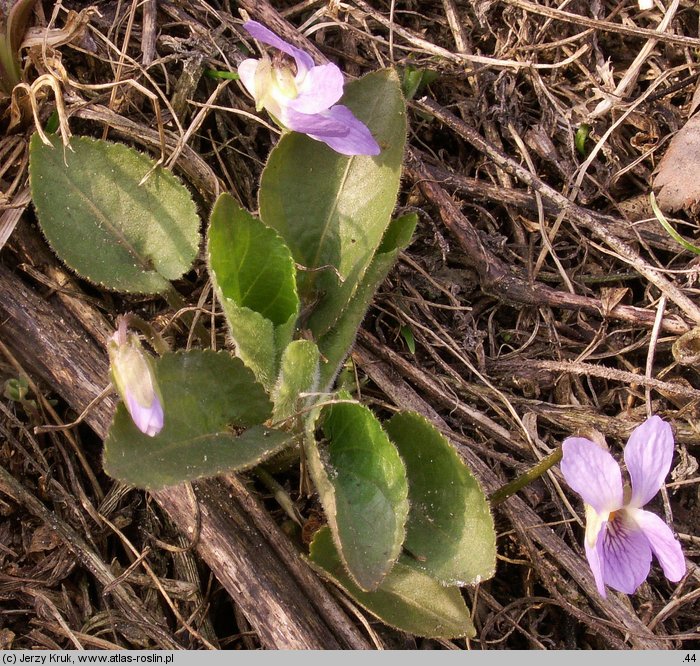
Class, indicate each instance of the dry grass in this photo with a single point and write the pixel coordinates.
(543, 297)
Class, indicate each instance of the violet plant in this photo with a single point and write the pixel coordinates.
(294, 284)
(620, 535)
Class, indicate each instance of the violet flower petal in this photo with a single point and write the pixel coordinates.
(258, 31)
(246, 71)
(157, 418)
(662, 542)
(648, 458)
(626, 556)
(319, 124)
(593, 473)
(593, 556)
(320, 89)
(149, 420)
(337, 128)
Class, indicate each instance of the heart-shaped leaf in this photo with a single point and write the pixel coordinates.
(362, 487)
(335, 345)
(333, 210)
(298, 374)
(407, 599)
(104, 223)
(254, 276)
(450, 532)
(213, 410)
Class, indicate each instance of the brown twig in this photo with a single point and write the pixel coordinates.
(572, 211)
(504, 282)
(607, 26)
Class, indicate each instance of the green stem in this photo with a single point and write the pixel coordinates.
(218, 74)
(154, 337)
(10, 74)
(278, 492)
(504, 492)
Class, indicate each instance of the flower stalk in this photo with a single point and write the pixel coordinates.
(517, 484)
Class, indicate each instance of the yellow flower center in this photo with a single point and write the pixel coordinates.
(274, 82)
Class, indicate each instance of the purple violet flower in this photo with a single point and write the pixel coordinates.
(302, 96)
(620, 535)
(132, 375)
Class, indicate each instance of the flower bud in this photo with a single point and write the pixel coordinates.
(132, 375)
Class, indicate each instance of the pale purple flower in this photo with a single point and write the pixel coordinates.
(620, 535)
(133, 377)
(302, 96)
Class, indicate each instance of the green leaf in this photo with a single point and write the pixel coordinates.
(333, 210)
(362, 487)
(581, 136)
(407, 599)
(398, 236)
(213, 410)
(407, 335)
(103, 223)
(254, 277)
(414, 80)
(335, 345)
(253, 266)
(450, 533)
(298, 374)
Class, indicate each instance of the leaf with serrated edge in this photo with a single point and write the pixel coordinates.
(298, 374)
(362, 487)
(104, 223)
(332, 210)
(254, 277)
(213, 410)
(335, 345)
(407, 599)
(450, 531)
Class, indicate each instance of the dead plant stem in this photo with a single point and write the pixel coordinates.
(574, 213)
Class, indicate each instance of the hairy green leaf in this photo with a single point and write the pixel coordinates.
(254, 276)
(335, 345)
(362, 487)
(407, 599)
(333, 210)
(298, 374)
(104, 223)
(450, 533)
